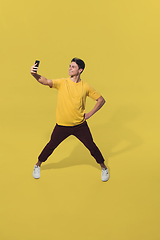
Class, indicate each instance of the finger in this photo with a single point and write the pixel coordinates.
(34, 69)
(34, 66)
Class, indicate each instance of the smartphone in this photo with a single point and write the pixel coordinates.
(37, 64)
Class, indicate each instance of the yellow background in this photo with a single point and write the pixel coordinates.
(120, 42)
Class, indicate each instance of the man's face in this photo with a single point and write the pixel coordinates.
(74, 69)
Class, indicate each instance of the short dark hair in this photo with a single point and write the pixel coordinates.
(79, 62)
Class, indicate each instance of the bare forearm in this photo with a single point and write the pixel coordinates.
(40, 78)
(99, 104)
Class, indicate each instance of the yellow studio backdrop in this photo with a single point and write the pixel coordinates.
(119, 42)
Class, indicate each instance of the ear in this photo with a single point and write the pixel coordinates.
(80, 70)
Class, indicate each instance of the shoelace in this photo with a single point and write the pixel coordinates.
(36, 168)
(104, 171)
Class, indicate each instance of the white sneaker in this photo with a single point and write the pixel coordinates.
(105, 175)
(36, 172)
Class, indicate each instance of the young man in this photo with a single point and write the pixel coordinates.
(70, 114)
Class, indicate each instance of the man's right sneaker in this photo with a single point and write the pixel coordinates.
(36, 172)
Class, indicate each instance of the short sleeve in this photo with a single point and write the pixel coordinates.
(92, 93)
(56, 83)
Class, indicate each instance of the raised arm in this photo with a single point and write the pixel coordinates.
(40, 78)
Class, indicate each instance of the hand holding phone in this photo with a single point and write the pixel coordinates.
(36, 65)
(34, 68)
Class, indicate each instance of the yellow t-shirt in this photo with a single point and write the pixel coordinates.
(71, 101)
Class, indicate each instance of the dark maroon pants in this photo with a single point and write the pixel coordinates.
(81, 132)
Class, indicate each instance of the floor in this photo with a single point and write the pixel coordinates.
(119, 41)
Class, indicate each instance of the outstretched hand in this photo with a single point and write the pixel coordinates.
(34, 68)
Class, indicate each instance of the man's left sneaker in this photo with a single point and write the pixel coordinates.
(105, 175)
(36, 172)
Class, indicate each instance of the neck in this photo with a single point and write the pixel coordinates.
(75, 79)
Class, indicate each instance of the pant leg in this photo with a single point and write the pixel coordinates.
(58, 135)
(82, 132)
